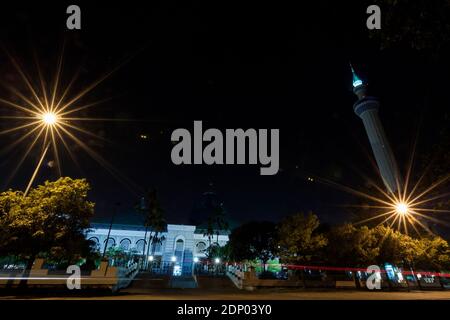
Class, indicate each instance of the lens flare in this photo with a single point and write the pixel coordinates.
(401, 208)
(406, 210)
(50, 115)
(49, 118)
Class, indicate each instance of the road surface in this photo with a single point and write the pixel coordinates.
(230, 294)
(149, 287)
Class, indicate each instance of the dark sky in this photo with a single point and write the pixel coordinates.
(265, 66)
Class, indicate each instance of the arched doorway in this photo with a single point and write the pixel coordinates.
(179, 251)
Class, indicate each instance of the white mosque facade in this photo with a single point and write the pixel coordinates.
(182, 244)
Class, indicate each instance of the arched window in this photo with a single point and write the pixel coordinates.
(125, 244)
(179, 245)
(158, 247)
(95, 243)
(111, 243)
(200, 247)
(140, 245)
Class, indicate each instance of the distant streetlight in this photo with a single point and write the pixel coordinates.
(49, 118)
(173, 259)
(195, 259)
(401, 208)
(217, 260)
(150, 258)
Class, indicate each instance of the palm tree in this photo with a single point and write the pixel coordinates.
(219, 221)
(143, 209)
(209, 231)
(215, 224)
(155, 221)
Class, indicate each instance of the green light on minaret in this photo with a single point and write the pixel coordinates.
(356, 80)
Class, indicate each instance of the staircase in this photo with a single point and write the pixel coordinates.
(219, 283)
(184, 282)
(147, 280)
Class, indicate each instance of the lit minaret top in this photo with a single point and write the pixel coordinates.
(359, 87)
(356, 80)
(367, 109)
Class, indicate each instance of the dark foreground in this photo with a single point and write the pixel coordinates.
(205, 294)
(214, 288)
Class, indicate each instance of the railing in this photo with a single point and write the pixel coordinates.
(211, 269)
(170, 268)
(332, 277)
(106, 276)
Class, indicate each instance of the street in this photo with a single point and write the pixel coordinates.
(203, 294)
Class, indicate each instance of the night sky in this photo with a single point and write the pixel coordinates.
(265, 66)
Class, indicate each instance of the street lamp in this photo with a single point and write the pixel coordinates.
(173, 259)
(401, 208)
(195, 259)
(150, 258)
(217, 260)
(49, 118)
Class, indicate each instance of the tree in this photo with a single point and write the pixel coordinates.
(219, 221)
(394, 246)
(430, 253)
(434, 254)
(209, 231)
(115, 254)
(419, 25)
(253, 240)
(216, 224)
(221, 252)
(353, 246)
(50, 221)
(154, 220)
(298, 240)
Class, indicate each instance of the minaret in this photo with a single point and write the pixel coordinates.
(367, 109)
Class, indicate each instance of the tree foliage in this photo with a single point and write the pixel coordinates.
(298, 240)
(50, 220)
(434, 254)
(221, 252)
(253, 240)
(350, 245)
(216, 223)
(362, 246)
(155, 219)
(420, 24)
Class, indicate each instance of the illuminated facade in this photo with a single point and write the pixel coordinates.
(182, 243)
